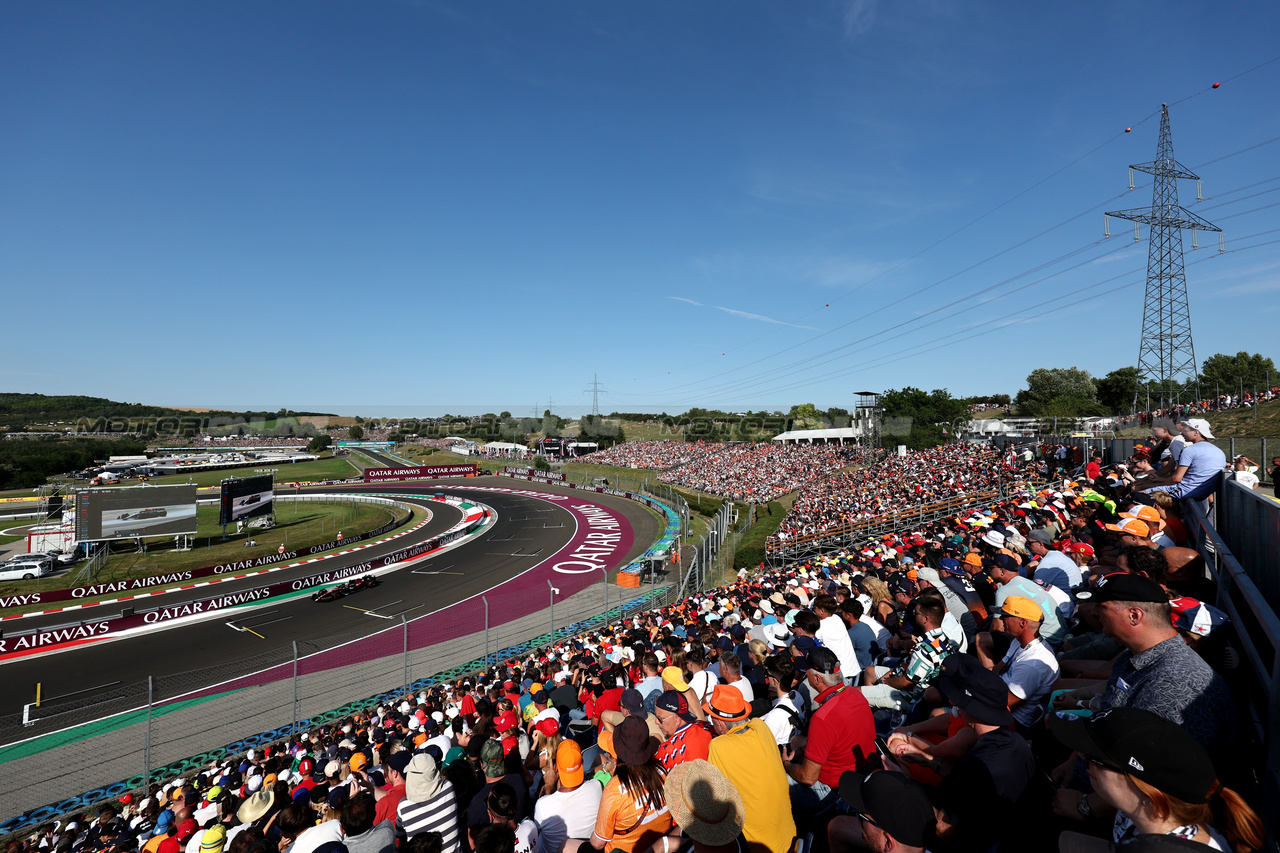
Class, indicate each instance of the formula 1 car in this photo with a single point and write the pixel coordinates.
(333, 593)
(362, 582)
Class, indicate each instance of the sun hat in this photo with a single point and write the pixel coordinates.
(892, 801)
(358, 761)
(704, 803)
(422, 779)
(1142, 512)
(569, 763)
(1079, 548)
(255, 806)
(634, 745)
(726, 703)
(605, 742)
(1144, 745)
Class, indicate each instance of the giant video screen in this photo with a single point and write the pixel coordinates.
(246, 497)
(127, 513)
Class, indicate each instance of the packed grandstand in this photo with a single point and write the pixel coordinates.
(1043, 669)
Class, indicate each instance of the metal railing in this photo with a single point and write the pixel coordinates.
(1240, 541)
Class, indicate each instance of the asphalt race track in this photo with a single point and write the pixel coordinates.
(462, 572)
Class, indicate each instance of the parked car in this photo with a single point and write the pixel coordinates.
(26, 567)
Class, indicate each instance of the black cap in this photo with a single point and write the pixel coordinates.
(894, 802)
(973, 688)
(1143, 745)
(1075, 842)
(399, 762)
(823, 660)
(1123, 586)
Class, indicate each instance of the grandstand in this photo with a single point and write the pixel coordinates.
(974, 643)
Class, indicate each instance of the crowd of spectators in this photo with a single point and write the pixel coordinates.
(743, 471)
(1045, 672)
(899, 482)
(1198, 408)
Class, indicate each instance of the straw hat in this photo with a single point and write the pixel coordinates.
(255, 806)
(704, 803)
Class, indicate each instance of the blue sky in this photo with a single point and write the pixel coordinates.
(419, 207)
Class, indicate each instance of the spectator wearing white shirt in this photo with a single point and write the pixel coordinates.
(833, 634)
(1030, 667)
(571, 811)
(702, 681)
(731, 674)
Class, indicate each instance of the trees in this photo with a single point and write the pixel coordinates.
(356, 432)
(918, 419)
(1229, 374)
(1060, 391)
(805, 416)
(319, 444)
(1118, 389)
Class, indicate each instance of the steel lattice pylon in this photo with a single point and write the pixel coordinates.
(1166, 354)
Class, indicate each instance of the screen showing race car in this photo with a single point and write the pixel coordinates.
(128, 513)
(246, 497)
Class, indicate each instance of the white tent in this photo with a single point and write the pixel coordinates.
(505, 446)
(820, 436)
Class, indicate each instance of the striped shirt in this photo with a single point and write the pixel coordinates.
(438, 814)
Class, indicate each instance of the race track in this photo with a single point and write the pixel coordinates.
(529, 532)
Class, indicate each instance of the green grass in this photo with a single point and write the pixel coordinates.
(312, 523)
(338, 468)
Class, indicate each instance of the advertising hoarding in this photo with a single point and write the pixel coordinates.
(381, 475)
(246, 497)
(130, 512)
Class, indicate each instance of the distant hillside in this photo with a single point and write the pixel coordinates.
(18, 411)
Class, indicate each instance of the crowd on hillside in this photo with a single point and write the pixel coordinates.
(898, 482)
(1198, 408)
(756, 473)
(1045, 672)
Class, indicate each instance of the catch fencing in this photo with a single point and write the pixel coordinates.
(76, 752)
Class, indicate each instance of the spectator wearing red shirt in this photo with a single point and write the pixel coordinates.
(687, 738)
(395, 767)
(842, 736)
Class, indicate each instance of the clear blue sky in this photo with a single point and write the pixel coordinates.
(415, 207)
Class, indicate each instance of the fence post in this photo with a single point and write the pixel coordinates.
(1231, 442)
(606, 589)
(146, 746)
(404, 621)
(294, 727)
(1263, 462)
(552, 590)
(486, 630)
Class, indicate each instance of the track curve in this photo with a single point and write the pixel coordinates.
(480, 564)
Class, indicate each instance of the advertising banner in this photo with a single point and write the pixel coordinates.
(127, 513)
(246, 497)
(421, 472)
